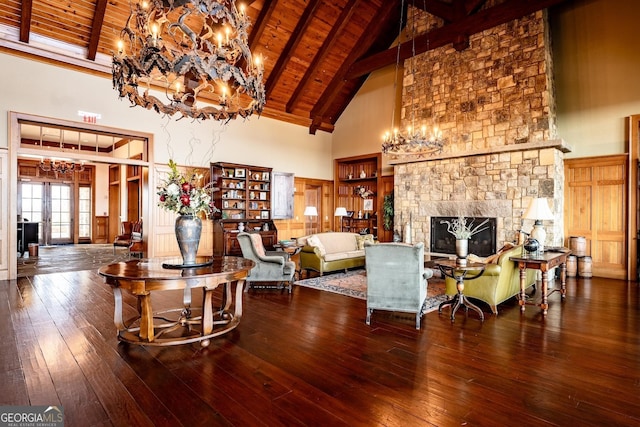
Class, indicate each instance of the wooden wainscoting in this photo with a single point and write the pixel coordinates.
(596, 200)
(295, 227)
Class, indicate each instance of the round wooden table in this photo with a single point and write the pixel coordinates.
(141, 277)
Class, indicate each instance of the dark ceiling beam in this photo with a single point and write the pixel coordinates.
(332, 37)
(437, 8)
(472, 6)
(451, 33)
(25, 20)
(261, 24)
(362, 45)
(291, 45)
(96, 29)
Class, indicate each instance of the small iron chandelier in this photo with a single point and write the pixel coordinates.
(196, 50)
(416, 141)
(60, 166)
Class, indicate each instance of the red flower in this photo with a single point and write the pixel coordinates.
(163, 198)
(186, 187)
(185, 199)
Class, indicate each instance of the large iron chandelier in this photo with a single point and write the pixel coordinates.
(417, 140)
(195, 50)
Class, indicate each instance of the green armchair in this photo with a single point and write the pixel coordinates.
(271, 266)
(396, 278)
(499, 282)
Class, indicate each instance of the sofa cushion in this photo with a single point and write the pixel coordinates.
(338, 242)
(315, 242)
(343, 255)
(361, 239)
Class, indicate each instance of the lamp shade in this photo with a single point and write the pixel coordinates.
(538, 210)
(341, 211)
(310, 211)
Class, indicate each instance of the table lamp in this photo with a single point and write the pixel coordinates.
(340, 211)
(538, 211)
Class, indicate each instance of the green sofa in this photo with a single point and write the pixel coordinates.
(499, 281)
(332, 251)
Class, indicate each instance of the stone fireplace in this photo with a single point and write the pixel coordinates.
(495, 105)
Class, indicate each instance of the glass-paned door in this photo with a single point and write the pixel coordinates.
(51, 206)
(61, 214)
(84, 212)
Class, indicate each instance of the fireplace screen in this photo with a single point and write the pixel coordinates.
(482, 244)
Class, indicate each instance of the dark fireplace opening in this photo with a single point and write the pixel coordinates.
(482, 244)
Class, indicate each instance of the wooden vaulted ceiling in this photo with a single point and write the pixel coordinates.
(317, 54)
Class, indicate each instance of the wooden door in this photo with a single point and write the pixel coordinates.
(596, 208)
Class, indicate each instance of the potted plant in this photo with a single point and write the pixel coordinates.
(462, 230)
(387, 211)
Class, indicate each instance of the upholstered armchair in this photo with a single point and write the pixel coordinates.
(271, 266)
(499, 281)
(396, 278)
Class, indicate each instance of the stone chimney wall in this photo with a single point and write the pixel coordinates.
(494, 103)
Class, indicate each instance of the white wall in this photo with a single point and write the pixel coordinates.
(360, 128)
(42, 89)
(596, 65)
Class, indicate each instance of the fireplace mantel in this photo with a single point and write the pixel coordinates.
(558, 144)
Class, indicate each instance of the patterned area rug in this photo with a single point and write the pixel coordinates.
(354, 284)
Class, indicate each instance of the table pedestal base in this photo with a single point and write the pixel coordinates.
(459, 300)
(197, 324)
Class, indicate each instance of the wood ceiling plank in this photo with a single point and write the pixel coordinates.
(366, 40)
(292, 43)
(329, 41)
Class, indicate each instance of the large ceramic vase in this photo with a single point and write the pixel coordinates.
(188, 230)
(462, 250)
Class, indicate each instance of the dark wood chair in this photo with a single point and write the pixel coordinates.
(130, 237)
(124, 238)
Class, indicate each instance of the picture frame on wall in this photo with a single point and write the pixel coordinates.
(368, 204)
(239, 173)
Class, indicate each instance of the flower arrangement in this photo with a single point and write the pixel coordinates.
(459, 228)
(181, 193)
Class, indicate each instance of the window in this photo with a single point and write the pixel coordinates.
(84, 212)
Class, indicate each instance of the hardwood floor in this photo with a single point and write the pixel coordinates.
(307, 358)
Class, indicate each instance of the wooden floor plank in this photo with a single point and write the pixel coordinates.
(308, 358)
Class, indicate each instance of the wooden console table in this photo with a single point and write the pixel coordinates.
(141, 277)
(543, 262)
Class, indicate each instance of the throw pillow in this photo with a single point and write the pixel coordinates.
(315, 241)
(361, 239)
(256, 240)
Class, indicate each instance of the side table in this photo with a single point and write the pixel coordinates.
(459, 273)
(544, 262)
(292, 251)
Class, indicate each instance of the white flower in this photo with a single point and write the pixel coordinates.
(173, 189)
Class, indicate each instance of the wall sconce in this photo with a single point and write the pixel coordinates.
(538, 210)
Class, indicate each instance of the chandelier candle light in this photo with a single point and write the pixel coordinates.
(417, 141)
(196, 50)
